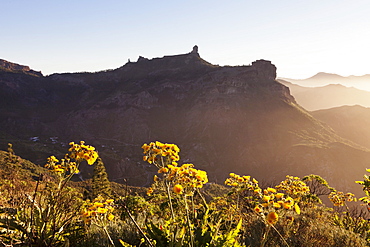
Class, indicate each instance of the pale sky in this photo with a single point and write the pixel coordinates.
(301, 38)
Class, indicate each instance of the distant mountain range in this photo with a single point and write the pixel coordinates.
(225, 119)
(325, 97)
(323, 79)
(351, 122)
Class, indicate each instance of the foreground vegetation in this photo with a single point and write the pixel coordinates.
(42, 207)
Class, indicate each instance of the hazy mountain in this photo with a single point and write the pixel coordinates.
(225, 119)
(323, 79)
(351, 122)
(316, 98)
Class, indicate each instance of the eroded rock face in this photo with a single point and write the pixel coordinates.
(224, 119)
(265, 69)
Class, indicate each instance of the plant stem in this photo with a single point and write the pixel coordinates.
(189, 224)
(137, 226)
(285, 242)
(169, 199)
(265, 235)
(203, 199)
(110, 239)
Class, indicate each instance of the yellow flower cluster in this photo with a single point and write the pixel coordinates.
(98, 209)
(243, 182)
(267, 201)
(62, 166)
(270, 199)
(164, 156)
(294, 187)
(339, 198)
(158, 151)
(185, 178)
(81, 152)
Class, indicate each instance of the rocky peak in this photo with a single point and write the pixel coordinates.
(265, 69)
(195, 50)
(13, 67)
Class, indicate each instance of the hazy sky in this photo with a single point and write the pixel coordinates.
(300, 37)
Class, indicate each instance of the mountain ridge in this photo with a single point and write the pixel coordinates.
(225, 119)
(328, 96)
(322, 79)
(17, 68)
(350, 122)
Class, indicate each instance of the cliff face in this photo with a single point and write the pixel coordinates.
(224, 119)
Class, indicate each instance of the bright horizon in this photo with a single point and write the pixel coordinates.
(301, 38)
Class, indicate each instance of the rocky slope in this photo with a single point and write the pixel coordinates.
(224, 119)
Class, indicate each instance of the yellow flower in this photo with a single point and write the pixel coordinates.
(235, 184)
(59, 170)
(266, 198)
(102, 210)
(178, 189)
(258, 209)
(98, 204)
(110, 217)
(86, 213)
(53, 159)
(109, 200)
(297, 209)
(272, 218)
(271, 190)
(150, 159)
(163, 170)
(289, 201)
(258, 190)
(279, 195)
(149, 191)
(91, 159)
